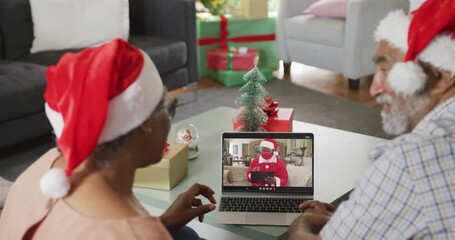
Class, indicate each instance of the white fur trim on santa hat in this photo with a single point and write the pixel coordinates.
(54, 183)
(407, 78)
(56, 120)
(267, 144)
(127, 110)
(440, 53)
(394, 29)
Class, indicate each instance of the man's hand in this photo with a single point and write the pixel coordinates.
(315, 215)
(316, 206)
(187, 206)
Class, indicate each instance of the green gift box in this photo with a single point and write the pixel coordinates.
(231, 78)
(214, 32)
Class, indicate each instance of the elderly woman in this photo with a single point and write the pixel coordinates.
(111, 115)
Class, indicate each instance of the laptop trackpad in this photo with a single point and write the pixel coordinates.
(265, 218)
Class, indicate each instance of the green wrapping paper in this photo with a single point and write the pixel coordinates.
(231, 78)
(249, 30)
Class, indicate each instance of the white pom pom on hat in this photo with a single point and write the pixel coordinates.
(95, 96)
(407, 78)
(54, 183)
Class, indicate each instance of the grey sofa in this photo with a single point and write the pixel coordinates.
(166, 30)
(341, 45)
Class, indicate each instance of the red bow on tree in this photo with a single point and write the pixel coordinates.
(271, 107)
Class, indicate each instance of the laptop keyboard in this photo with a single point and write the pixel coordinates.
(249, 204)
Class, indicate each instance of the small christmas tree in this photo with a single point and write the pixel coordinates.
(251, 102)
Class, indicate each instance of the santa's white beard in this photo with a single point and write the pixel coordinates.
(398, 120)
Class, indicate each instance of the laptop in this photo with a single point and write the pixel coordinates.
(248, 196)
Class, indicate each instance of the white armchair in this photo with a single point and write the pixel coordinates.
(341, 45)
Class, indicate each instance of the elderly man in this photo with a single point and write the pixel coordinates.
(409, 191)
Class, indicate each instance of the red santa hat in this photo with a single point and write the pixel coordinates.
(269, 143)
(95, 96)
(427, 33)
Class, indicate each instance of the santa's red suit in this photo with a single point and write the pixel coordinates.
(274, 164)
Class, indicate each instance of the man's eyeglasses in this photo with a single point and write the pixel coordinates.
(169, 103)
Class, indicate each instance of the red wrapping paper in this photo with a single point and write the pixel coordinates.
(282, 122)
(218, 59)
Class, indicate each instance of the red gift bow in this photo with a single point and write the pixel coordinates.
(224, 34)
(271, 108)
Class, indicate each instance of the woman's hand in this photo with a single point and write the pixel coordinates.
(315, 215)
(187, 206)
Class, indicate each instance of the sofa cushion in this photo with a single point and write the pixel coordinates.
(176, 79)
(22, 85)
(167, 54)
(329, 8)
(2, 52)
(17, 27)
(45, 58)
(236, 175)
(59, 25)
(310, 28)
(299, 176)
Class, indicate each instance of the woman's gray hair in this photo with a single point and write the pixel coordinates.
(108, 148)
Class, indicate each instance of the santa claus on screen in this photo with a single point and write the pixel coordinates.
(269, 161)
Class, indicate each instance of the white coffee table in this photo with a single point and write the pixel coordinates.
(340, 157)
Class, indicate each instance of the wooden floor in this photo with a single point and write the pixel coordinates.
(315, 78)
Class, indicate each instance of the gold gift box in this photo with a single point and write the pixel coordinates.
(254, 9)
(168, 172)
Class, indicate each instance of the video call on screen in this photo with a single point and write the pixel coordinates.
(296, 156)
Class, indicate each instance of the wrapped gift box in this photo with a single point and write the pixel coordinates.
(231, 78)
(239, 32)
(168, 172)
(254, 9)
(282, 122)
(223, 59)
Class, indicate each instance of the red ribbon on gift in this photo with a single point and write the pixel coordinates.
(271, 107)
(224, 33)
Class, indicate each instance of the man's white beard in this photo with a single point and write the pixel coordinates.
(398, 120)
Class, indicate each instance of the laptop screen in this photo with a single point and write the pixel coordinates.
(267, 162)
